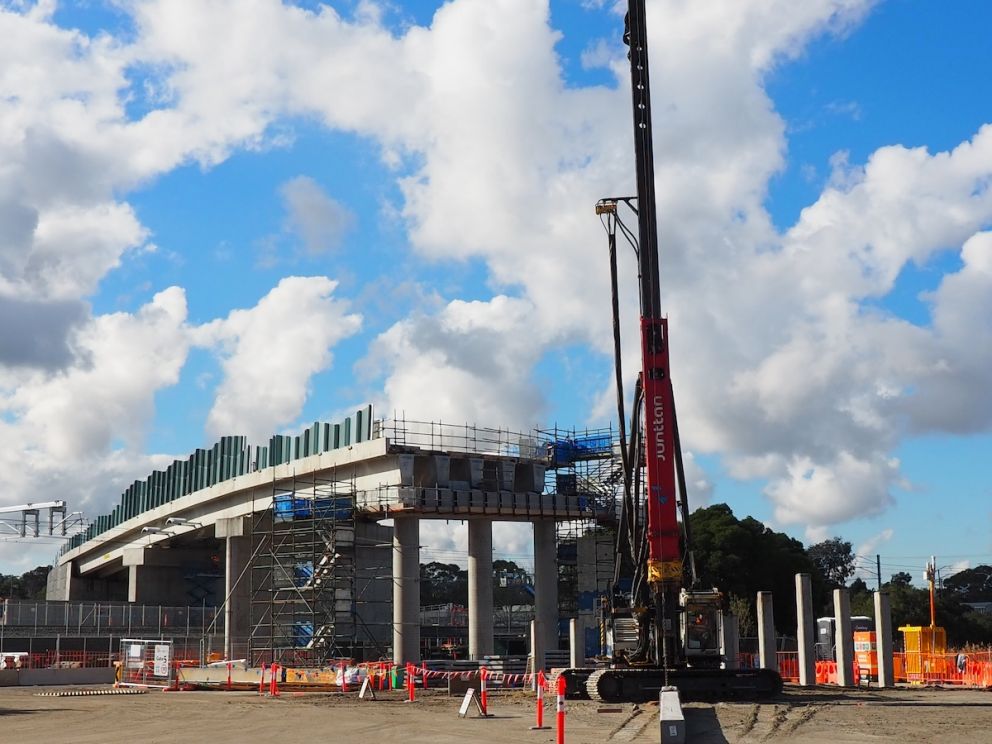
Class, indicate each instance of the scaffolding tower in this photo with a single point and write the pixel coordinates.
(302, 577)
(585, 463)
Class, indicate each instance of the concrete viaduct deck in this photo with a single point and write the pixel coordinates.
(387, 480)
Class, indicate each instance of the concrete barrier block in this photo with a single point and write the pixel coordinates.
(671, 717)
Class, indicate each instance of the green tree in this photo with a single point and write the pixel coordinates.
(901, 578)
(511, 584)
(743, 609)
(741, 557)
(835, 560)
(971, 584)
(443, 583)
(862, 599)
(29, 585)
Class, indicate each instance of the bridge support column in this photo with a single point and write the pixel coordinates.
(731, 641)
(536, 647)
(883, 639)
(844, 638)
(406, 589)
(480, 588)
(236, 595)
(805, 630)
(766, 632)
(546, 583)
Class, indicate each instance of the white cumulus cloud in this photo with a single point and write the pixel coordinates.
(270, 352)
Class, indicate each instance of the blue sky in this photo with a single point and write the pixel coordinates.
(431, 167)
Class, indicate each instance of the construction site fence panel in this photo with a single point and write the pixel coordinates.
(88, 618)
(146, 663)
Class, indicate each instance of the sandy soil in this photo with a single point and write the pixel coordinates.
(818, 717)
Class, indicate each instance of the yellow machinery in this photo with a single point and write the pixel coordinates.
(926, 647)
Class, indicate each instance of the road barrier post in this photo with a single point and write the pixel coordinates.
(560, 716)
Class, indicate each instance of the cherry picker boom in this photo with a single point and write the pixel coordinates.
(662, 632)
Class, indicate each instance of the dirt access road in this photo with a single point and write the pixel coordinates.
(819, 717)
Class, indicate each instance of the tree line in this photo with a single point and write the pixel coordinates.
(29, 585)
(742, 557)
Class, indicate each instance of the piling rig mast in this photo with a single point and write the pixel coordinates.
(665, 631)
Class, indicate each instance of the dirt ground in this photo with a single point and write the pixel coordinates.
(821, 716)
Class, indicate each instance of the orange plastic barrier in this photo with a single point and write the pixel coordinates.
(788, 665)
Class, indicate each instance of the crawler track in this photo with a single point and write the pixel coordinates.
(640, 685)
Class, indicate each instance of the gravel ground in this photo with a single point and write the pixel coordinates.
(821, 716)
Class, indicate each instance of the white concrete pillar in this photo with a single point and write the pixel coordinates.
(883, 640)
(134, 585)
(406, 589)
(546, 582)
(480, 588)
(576, 643)
(767, 658)
(236, 595)
(536, 646)
(236, 592)
(844, 638)
(805, 630)
(731, 641)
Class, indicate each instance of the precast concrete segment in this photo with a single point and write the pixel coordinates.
(883, 639)
(546, 582)
(844, 638)
(805, 630)
(766, 632)
(731, 641)
(406, 590)
(480, 588)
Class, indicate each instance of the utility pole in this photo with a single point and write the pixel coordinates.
(878, 570)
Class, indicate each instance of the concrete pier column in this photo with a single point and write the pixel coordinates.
(576, 643)
(536, 646)
(480, 588)
(406, 589)
(236, 583)
(805, 630)
(731, 641)
(767, 658)
(843, 638)
(236, 611)
(883, 640)
(136, 584)
(546, 582)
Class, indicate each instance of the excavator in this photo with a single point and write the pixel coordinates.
(663, 630)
